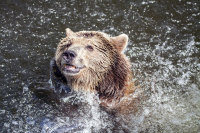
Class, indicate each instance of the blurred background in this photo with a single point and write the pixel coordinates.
(164, 50)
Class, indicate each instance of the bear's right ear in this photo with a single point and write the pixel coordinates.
(68, 31)
(120, 42)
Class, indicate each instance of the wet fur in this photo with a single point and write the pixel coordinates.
(110, 77)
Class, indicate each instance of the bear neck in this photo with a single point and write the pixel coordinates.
(116, 81)
(87, 81)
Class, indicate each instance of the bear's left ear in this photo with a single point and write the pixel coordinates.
(120, 42)
(68, 31)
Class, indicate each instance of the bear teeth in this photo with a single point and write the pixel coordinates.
(70, 66)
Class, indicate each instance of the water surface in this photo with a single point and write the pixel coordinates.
(164, 50)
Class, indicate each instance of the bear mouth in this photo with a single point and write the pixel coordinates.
(71, 69)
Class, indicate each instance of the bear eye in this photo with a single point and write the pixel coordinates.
(90, 48)
(68, 45)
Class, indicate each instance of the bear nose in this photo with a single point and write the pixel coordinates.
(69, 55)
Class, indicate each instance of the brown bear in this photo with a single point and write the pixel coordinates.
(93, 61)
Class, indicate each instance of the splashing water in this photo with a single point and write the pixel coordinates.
(173, 102)
(89, 117)
(170, 101)
(164, 50)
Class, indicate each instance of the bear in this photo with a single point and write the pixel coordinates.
(93, 61)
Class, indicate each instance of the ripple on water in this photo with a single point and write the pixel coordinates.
(163, 49)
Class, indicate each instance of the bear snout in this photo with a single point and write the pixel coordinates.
(69, 56)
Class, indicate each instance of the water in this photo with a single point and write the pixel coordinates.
(164, 49)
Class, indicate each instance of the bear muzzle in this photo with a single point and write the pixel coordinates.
(69, 67)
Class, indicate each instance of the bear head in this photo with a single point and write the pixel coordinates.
(93, 61)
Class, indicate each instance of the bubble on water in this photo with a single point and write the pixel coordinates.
(25, 89)
(143, 3)
(15, 122)
(6, 124)
(60, 125)
(2, 112)
(184, 79)
(31, 121)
